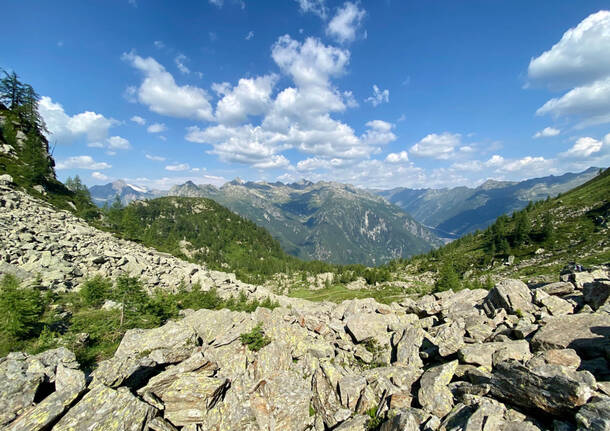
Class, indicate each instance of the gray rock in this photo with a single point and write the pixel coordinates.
(326, 401)
(364, 327)
(106, 409)
(402, 420)
(482, 354)
(407, 348)
(433, 395)
(6, 180)
(588, 334)
(559, 288)
(512, 295)
(550, 388)
(595, 415)
(350, 390)
(555, 305)
(597, 293)
(357, 423)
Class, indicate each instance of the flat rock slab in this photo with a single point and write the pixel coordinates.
(588, 334)
(106, 409)
(512, 295)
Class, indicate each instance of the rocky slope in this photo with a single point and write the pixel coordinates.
(514, 358)
(461, 210)
(61, 249)
(326, 221)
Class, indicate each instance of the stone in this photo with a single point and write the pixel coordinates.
(512, 295)
(364, 327)
(402, 420)
(587, 334)
(449, 338)
(595, 415)
(326, 401)
(552, 389)
(357, 423)
(433, 395)
(407, 348)
(107, 409)
(555, 305)
(160, 424)
(282, 402)
(171, 335)
(597, 293)
(559, 288)
(564, 357)
(350, 389)
(6, 180)
(482, 354)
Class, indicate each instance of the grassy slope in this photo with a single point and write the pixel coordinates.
(577, 236)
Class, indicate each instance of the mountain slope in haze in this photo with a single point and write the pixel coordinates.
(106, 194)
(536, 241)
(462, 210)
(325, 221)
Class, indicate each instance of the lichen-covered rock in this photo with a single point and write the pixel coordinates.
(550, 388)
(282, 402)
(351, 388)
(402, 420)
(107, 409)
(588, 334)
(326, 401)
(366, 326)
(512, 295)
(595, 415)
(482, 354)
(172, 335)
(433, 395)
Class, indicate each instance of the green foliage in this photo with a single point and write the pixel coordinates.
(255, 339)
(20, 309)
(95, 291)
(374, 423)
(447, 278)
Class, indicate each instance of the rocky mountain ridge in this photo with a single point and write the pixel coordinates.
(326, 221)
(461, 210)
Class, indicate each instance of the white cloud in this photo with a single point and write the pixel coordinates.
(250, 35)
(349, 99)
(180, 60)
(250, 97)
(155, 158)
(379, 132)
(217, 3)
(468, 165)
(586, 147)
(118, 143)
(100, 176)
(65, 129)
(440, 147)
(346, 22)
(379, 96)
(397, 157)
(82, 162)
(138, 120)
(309, 63)
(162, 95)
(580, 57)
(178, 167)
(590, 103)
(159, 44)
(276, 161)
(156, 128)
(317, 7)
(547, 132)
(580, 61)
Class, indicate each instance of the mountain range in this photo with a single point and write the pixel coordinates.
(454, 212)
(324, 221)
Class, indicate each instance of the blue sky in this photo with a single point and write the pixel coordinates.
(373, 93)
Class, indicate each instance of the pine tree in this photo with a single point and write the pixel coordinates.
(447, 278)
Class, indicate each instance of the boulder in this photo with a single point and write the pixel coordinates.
(402, 420)
(433, 395)
(588, 334)
(558, 288)
(512, 295)
(597, 293)
(552, 389)
(107, 409)
(482, 354)
(364, 327)
(172, 335)
(595, 415)
(326, 401)
(555, 305)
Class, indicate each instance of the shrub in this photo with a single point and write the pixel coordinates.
(255, 339)
(20, 308)
(95, 290)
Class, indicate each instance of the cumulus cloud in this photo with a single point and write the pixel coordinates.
(65, 129)
(118, 143)
(397, 157)
(249, 97)
(162, 95)
(547, 132)
(379, 96)
(138, 120)
(440, 147)
(317, 7)
(99, 176)
(586, 147)
(379, 132)
(346, 22)
(580, 61)
(82, 162)
(156, 128)
(178, 167)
